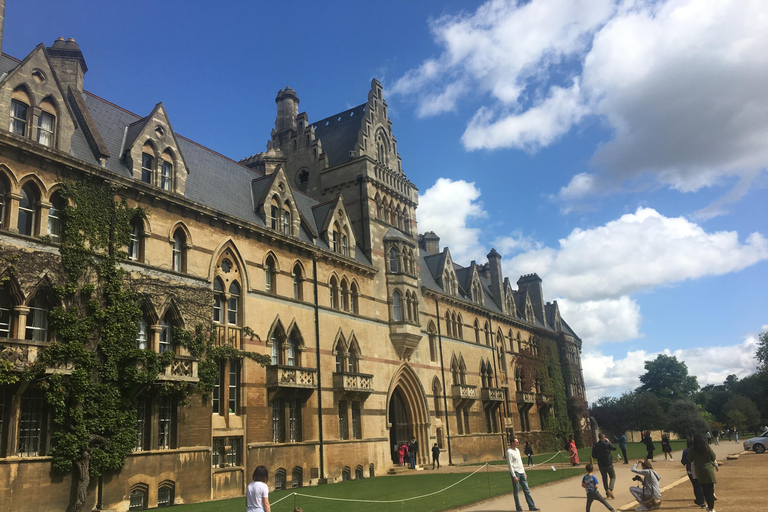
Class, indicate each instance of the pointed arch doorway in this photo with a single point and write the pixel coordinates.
(407, 413)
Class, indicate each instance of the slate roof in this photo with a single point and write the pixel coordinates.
(339, 133)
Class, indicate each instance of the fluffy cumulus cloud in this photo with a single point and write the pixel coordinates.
(637, 252)
(609, 376)
(680, 84)
(447, 208)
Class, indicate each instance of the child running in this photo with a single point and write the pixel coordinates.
(589, 482)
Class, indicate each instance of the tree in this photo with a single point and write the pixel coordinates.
(762, 353)
(93, 401)
(668, 379)
(686, 418)
(645, 411)
(746, 408)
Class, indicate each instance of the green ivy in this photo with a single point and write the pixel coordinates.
(93, 398)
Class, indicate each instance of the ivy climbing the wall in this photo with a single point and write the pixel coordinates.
(100, 374)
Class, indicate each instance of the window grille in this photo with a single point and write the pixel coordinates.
(165, 496)
(165, 417)
(30, 425)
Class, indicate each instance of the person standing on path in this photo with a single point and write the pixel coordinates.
(529, 452)
(648, 442)
(622, 439)
(704, 464)
(435, 456)
(698, 494)
(589, 482)
(601, 452)
(573, 451)
(666, 448)
(413, 450)
(709, 437)
(517, 472)
(736, 433)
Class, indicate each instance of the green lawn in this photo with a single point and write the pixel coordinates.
(477, 487)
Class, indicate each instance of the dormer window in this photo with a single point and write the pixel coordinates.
(286, 222)
(344, 245)
(335, 241)
(166, 172)
(45, 125)
(147, 166)
(19, 114)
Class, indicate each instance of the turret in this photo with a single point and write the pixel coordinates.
(497, 281)
(287, 110)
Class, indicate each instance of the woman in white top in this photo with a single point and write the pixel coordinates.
(257, 495)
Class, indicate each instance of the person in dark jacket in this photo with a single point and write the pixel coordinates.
(648, 442)
(698, 493)
(601, 452)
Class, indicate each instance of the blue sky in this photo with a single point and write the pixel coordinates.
(617, 148)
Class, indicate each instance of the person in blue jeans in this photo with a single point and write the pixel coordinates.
(622, 439)
(517, 472)
(413, 449)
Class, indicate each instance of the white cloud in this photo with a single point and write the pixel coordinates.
(608, 376)
(638, 251)
(607, 320)
(446, 208)
(680, 84)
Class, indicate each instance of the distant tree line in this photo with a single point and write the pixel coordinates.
(670, 399)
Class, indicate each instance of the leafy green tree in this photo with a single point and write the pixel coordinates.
(686, 418)
(746, 407)
(668, 379)
(737, 419)
(762, 353)
(645, 411)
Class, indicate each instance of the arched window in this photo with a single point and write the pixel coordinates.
(3, 192)
(298, 283)
(233, 304)
(165, 495)
(142, 333)
(286, 220)
(138, 498)
(136, 242)
(354, 299)
(359, 473)
(179, 251)
(487, 335)
(147, 164)
(397, 308)
(278, 346)
(344, 243)
(5, 314)
(55, 217)
(37, 319)
(297, 477)
(339, 357)
(270, 275)
(477, 332)
(19, 112)
(280, 479)
(352, 357)
(344, 297)
(454, 325)
(166, 334)
(394, 266)
(460, 324)
(294, 342)
(345, 474)
(166, 171)
(46, 123)
(455, 372)
(27, 210)
(436, 393)
(448, 324)
(274, 213)
(432, 342)
(334, 289)
(462, 370)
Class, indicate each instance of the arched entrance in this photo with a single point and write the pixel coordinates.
(407, 413)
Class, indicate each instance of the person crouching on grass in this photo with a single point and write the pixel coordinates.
(589, 482)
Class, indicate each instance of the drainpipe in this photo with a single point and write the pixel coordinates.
(317, 357)
(442, 372)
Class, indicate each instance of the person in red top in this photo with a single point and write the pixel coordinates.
(573, 451)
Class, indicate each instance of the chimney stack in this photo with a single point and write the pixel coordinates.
(497, 281)
(532, 284)
(68, 63)
(429, 242)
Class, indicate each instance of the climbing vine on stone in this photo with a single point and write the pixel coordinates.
(99, 371)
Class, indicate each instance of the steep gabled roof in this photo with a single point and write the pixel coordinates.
(340, 133)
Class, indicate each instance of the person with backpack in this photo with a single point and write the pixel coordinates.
(589, 482)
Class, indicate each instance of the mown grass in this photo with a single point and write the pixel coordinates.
(483, 484)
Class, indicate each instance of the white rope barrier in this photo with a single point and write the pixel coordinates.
(539, 464)
(328, 498)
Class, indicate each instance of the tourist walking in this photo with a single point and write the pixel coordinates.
(704, 464)
(517, 472)
(589, 482)
(435, 456)
(698, 494)
(666, 447)
(648, 442)
(601, 452)
(529, 452)
(717, 436)
(622, 439)
(709, 437)
(649, 496)
(573, 451)
(736, 435)
(257, 494)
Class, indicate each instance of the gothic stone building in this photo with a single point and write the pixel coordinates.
(376, 334)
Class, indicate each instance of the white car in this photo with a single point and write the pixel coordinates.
(758, 444)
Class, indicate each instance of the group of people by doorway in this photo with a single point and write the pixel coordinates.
(406, 452)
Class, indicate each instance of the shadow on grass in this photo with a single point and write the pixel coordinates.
(391, 493)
